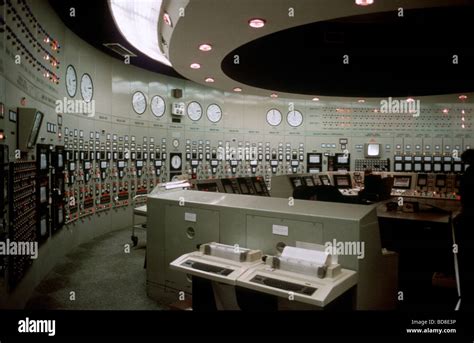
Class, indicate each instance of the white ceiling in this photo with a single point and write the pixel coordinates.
(224, 25)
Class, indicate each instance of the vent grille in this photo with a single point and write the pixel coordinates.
(119, 49)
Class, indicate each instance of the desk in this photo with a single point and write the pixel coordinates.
(424, 242)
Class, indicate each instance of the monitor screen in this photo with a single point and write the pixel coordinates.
(372, 150)
(408, 167)
(422, 180)
(458, 167)
(228, 188)
(437, 167)
(402, 181)
(342, 181)
(342, 159)
(417, 166)
(440, 180)
(325, 180)
(258, 187)
(296, 182)
(315, 159)
(398, 167)
(427, 167)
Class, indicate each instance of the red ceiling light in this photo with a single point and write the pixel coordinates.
(315, 99)
(167, 19)
(274, 95)
(195, 66)
(364, 2)
(462, 97)
(205, 47)
(237, 89)
(209, 80)
(257, 23)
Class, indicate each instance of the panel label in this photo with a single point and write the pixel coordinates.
(280, 230)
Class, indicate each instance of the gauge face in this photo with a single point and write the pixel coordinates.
(294, 118)
(194, 111)
(87, 88)
(214, 113)
(71, 81)
(175, 143)
(176, 162)
(139, 102)
(274, 117)
(158, 106)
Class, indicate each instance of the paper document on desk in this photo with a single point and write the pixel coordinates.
(177, 184)
(314, 256)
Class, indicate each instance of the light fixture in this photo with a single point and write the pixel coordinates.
(257, 23)
(209, 79)
(274, 95)
(410, 100)
(137, 21)
(315, 99)
(445, 111)
(205, 47)
(376, 110)
(462, 97)
(364, 2)
(237, 89)
(361, 101)
(195, 66)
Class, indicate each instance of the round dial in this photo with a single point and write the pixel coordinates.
(176, 162)
(87, 88)
(214, 113)
(194, 111)
(175, 143)
(274, 117)
(139, 102)
(158, 106)
(294, 118)
(71, 81)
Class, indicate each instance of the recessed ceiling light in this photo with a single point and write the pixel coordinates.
(195, 66)
(463, 97)
(205, 47)
(361, 100)
(364, 2)
(237, 89)
(167, 19)
(257, 23)
(209, 79)
(274, 95)
(315, 99)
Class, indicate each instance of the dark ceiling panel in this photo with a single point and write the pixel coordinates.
(93, 23)
(388, 56)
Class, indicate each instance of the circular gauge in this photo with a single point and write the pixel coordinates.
(274, 117)
(294, 118)
(176, 162)
(139, 102)
(194, 111)
(158, 106)
(214, 113)
(87, 88)
(175, 143)
(71, 81)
